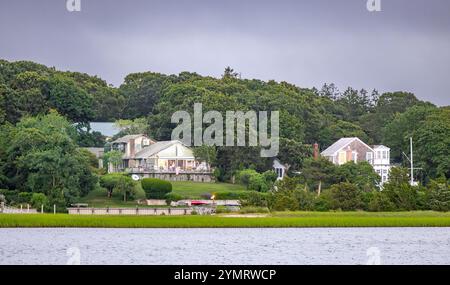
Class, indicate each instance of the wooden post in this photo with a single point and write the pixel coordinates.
(28, 208)
(54, 208)
(42, 208)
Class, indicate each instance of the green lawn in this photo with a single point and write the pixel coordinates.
(193, 190)
(98, 198)
(283, 220)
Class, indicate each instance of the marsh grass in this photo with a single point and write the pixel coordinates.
(281, 220)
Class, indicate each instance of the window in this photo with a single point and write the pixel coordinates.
(384, 154)
(279, 172)
(354, 156)
(384, 171)
(369, 156)
(342, 157)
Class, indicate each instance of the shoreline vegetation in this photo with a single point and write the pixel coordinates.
(272, 220)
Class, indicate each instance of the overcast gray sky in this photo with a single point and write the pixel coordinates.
(406, 46)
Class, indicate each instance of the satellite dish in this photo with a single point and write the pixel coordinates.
(135, 177)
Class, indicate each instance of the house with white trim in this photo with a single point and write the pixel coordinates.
(168, 160)
(279, 168)
(354, 149)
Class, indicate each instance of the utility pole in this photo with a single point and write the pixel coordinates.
(412, 161)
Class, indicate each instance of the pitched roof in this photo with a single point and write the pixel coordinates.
(154, 148)
(340, 144)
(126, 138)
(379, 146)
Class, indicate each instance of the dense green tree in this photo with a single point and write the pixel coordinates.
(346, 196)
(126, 187)
(319, 174)
(439, 195)
(292, 153)
(397, 132)
(207, 154)
(341, 129)
(70, 100)
(361, 174)
(432, 144)
(141, 91)
(42, 157)
(306, 115)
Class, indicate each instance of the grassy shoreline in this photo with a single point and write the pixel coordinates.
(274, 220)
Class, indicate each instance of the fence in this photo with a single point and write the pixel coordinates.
(10, 210)
(141, 211)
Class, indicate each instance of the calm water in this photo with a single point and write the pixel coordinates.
(226, 246)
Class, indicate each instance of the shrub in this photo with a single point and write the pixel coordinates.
(244, 176)
(156, 188)
(346, 196)
(256, 181)
(10, 196)
(440, 197)
(402, 195)
(222, 210)
(284, 202)
(227, 196)
(24, 197)
(380, 202)
(217, 174)
(250, 209)
(305, 200)
(109, 181)
(323, 202)
(39, 199)
(172, 197)
(254, 198)
(125, 186)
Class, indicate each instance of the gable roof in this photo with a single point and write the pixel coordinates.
(126, 138)
(380, 146)
(340, 144)
(155, 148)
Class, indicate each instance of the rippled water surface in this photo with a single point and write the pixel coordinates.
(226, 246)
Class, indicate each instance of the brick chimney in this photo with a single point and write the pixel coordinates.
(349, 153)
(132, 148)
(316, 151)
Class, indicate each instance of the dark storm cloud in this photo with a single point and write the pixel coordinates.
(404, 47)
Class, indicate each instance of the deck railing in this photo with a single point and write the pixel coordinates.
(169, 171)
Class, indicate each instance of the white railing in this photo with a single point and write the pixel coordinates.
(180, 171)
(141, 211)
(10, 210)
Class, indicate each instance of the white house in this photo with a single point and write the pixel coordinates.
(279, 168)
(354, 149)
(169, 160)
(381, 161)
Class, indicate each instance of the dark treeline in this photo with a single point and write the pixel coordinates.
(307, 115)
